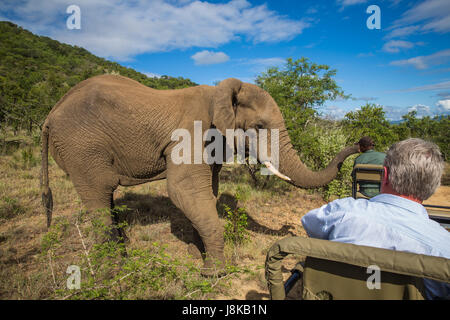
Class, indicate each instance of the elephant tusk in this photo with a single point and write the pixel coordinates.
(275, 171)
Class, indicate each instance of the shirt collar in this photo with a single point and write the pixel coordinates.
(403, 203)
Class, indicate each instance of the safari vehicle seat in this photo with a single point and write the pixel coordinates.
(335, 270)
(365, 173)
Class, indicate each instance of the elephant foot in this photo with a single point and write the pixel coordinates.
(213, 268)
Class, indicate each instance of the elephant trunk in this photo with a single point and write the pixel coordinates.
(298, 174)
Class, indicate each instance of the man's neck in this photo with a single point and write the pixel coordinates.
(387, 189)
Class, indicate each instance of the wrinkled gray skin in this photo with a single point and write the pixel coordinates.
(110, 130)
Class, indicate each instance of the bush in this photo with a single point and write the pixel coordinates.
(371, 121)
(236, 223)
(322, 140)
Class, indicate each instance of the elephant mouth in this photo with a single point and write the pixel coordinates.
(272, 169)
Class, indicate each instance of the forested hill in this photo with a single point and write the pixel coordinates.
(36, 71)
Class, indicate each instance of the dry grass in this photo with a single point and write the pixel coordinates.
(30, 272)
(445, 181)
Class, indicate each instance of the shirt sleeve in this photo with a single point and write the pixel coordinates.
(319, 223)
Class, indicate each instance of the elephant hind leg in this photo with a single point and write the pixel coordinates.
(196, 248)
(98, 196)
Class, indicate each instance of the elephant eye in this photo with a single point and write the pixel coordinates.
(259, 126)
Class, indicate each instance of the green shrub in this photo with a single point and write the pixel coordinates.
(370, 120)
(323, 140)
(55, 235)
(236, 222)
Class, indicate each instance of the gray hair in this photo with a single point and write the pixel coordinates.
(415, 167)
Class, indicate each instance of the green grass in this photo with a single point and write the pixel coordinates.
(10, 208)
(107, 273)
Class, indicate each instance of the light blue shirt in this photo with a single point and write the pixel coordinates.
(385, 221)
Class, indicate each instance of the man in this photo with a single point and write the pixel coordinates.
(369, 156)
(394, 219)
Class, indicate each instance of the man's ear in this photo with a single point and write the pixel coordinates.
(385, 180)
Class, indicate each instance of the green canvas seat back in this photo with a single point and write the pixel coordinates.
(369, 173)
(331, 280)
(335, 270)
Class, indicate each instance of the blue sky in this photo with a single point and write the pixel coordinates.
(403, 66)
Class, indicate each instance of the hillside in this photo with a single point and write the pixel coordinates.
(35, 71)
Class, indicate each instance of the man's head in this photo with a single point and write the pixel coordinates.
(365, 143)
(414, 168)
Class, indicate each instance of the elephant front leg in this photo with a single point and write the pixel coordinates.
(190, 189)
(196, 248)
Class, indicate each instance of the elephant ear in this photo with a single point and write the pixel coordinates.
(223, 108)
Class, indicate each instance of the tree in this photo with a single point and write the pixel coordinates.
(370, 121)
(441, 136)
(426, 128)
(298, 87)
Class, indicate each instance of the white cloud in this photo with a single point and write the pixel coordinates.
(424, 62)
(395, 3)
(152, 75)
(121, 29)
(267, 62)
(426, 16)
(433, 12)
(367, 99)
(431, 87)
(395, 113)
(394, 46)
(421, 109)
(444, 105)
(402, 32)
(310, 45)
(364, 55)
(332, 112)
(445, 95)
(442, 108)
(346, 3)
(208, 57)
(417, 62)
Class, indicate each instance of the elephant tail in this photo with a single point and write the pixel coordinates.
(47, 198)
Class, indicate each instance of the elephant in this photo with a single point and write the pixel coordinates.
(110, 130)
